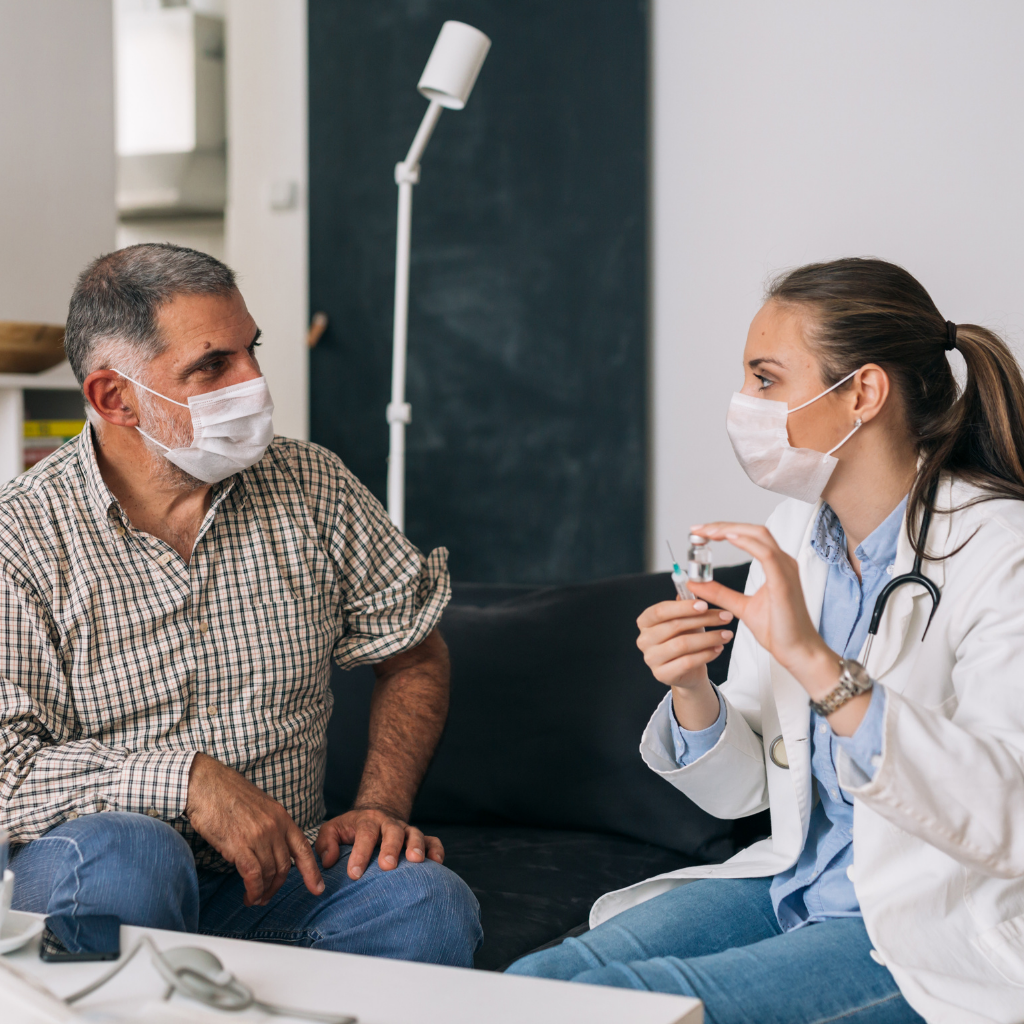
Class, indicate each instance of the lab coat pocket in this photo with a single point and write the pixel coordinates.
(1003, 946)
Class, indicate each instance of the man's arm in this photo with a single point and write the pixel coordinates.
(407, 714)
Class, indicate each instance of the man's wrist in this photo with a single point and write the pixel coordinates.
(390, 811)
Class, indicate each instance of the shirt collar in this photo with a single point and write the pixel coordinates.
(230, 492)
(828, 539)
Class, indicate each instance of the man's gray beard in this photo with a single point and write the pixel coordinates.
(162, 427)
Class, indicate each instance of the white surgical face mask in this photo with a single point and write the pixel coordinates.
(757, 429)
(231, 429)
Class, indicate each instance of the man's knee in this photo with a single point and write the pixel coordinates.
(443, 913)
(130, 865)
(413, 912)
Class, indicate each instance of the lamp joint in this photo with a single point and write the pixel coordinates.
(399, 412)
(406, 174)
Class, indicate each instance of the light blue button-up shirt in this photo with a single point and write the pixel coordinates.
(817, 887)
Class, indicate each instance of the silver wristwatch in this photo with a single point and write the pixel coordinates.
(853, 680)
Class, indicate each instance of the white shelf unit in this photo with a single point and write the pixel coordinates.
(12, 412)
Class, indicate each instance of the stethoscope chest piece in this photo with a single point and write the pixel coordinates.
(777, 752)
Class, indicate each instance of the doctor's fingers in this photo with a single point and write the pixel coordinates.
(685, 646)
(674, 673)
(664, 611)
(663, 631)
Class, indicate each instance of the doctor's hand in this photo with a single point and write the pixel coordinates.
(675, 641)
(249, 829)
(776, 613)
(362, 828)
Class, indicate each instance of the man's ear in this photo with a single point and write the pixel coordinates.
(871, 391)
(110, 397)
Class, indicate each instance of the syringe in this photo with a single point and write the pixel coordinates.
(679, 577)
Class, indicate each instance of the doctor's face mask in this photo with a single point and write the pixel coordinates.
(758, 427)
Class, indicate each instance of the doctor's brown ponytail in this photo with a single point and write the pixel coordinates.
(869, 311)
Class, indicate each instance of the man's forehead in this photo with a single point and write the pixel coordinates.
(203, 320)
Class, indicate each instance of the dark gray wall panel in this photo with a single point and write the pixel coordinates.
(527, 351)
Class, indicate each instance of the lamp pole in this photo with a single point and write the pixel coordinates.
(399, 411)
(447, 81)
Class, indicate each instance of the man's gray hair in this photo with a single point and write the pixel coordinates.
(118, 295)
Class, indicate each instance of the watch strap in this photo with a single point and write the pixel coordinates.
(853, 681)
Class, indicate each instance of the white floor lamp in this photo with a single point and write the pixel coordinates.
(447, 81)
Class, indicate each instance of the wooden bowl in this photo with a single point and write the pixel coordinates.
(30, 348)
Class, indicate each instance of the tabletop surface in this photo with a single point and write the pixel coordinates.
(376, 991)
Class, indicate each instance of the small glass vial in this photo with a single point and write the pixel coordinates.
(698, 560)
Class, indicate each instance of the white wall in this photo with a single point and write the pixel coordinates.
(268, 247)
(799, 130)
(56, 151)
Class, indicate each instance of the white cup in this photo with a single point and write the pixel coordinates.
(6, 892)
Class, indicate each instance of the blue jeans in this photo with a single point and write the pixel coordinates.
(141, 870)
(719, 940)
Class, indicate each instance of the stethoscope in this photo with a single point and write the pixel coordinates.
(777, 750)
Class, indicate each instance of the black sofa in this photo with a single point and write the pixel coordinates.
(538, 790)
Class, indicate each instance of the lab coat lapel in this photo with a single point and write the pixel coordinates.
(791, 699)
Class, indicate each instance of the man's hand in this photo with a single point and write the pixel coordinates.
(248, 829)
(361, 828)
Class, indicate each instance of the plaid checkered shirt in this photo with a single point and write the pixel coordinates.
(119, 661)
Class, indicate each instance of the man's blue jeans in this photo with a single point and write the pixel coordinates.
(141, 870)
(719, 940)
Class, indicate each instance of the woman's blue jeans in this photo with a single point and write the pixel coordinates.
(719, 940)
(142, 871)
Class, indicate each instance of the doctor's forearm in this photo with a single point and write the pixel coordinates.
(817, 671)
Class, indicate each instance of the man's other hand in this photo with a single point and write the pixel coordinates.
(248, 829)
(362, 828)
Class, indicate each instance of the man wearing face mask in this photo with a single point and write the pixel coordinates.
(174, 586)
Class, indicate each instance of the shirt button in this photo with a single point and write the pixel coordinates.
(849, 873)
(890, 569)
(72, 815)
(212, 710)
(877, 957)
(835, 794)
(203, 627)
(152, 812)
(823, 728)
(120, 531)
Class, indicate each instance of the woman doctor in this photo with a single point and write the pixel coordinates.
(892, 888)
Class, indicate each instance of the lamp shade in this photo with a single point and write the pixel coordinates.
(454, 64)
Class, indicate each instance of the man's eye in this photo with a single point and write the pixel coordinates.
(765, 382)
(253, 345)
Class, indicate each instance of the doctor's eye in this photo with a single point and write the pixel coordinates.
(765, 382)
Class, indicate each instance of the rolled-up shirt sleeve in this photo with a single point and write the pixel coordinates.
(393, 594)
(690, 744)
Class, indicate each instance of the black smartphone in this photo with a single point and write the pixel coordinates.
(88, 937)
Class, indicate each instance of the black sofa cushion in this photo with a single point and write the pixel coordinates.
(534, 885)
(549, 698)
(538, 790)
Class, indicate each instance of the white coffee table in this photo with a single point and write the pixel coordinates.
(376, 991)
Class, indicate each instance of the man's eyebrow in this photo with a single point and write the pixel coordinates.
(755, 363)
(215, 353)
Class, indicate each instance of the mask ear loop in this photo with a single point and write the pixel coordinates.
(788, 411)
(185, 405)
(856, 426)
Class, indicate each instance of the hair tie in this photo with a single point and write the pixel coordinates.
(950, 336)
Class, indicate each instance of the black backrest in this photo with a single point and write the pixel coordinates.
(550, 696)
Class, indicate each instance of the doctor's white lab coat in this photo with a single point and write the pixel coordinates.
(939, 831)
